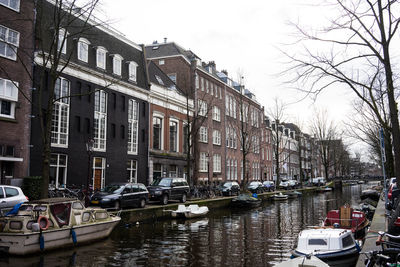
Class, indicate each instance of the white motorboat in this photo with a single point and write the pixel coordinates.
(306, 261)
(280, 196)
(336, 247)
(53, 223)
(191, 211)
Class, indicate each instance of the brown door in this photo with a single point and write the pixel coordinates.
(97, 179)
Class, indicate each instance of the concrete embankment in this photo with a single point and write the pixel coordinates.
(379, 223)
(158, 212)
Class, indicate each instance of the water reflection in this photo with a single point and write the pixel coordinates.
(258, 237)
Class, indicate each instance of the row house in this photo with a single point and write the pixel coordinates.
(169, 111)
(16, 49)
(217, 101)
(99, 131)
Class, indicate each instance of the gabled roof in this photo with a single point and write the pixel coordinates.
(157, 50)
(157, 76)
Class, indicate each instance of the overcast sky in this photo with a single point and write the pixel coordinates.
(240, 36)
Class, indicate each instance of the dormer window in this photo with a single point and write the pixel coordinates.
(13, 4)
(62, 41)
(101, 57)
(117, 61)
(133, 71)
(83, 49)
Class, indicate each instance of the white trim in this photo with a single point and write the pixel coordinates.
(85, 42)
(177, 133)
(11, 159)
(15, 9)
(161, 117)
(172, 56)
(104, 56)
(117, 68)
(170, 99)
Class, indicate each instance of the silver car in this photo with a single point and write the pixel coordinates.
(11, 196)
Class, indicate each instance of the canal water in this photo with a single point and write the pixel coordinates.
(257, 237)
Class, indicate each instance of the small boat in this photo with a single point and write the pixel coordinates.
(336, 247)
(245, 201)
(325, 189)
(52, 223)
(191, 211)
(306, 261)
(294, 194)
(371, 194)
(280, 196)
(348, 218)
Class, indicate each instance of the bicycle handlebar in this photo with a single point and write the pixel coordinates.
(382, 234)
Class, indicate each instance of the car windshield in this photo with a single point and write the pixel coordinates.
(113, 189)
(253, 183)
(227, 184)
(162, 182)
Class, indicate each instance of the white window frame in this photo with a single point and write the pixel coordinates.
(8, 93)
(83, 49)
(100, 121)
(132, 68)
(132, 169)
(133, 126)
(117, 64)
(60, 117)
(10, 38)
(161, 133)
(177, 135)
(161, 62)
(203, 134)
(57, 166)
(202, 108)
(101, 57)
(7, 3)
(203, 164)
(216, 163)
(62, 41)
(216, 137)
(216, 113)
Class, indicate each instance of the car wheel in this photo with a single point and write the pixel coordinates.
(183, 199)
(117, 205)
(142, 203)
(164, 199)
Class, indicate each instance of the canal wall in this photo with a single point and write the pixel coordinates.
(379, 223)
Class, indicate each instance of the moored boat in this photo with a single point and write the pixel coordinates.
(336, 247)
(245, 201)
(294, 194)
(280, 196)
(191, 211)
(348, 218)
(306, 261)
(53, 223)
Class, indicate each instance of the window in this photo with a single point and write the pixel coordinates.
(58, 170)
(197, 82)
(157, 171)
(100, 120)
(203, 134)
(202, 83)
(207, 87)
(202, 108)
(8, 98)
(216, 113)
(161, 62)
(217, 163)
(101, 57)
(13, 4)
(185, 137)
(62, 42)
(117, 61)
(83, 49)
(9, 42)
(131, 171)
(133, 71)
(203, 162)
(173, 136)
(216, 137)
(228, 169)
(172, 76)
(60, 120)
(133, 119)
(157, 133)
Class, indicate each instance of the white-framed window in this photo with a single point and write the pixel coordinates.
(117, 62)
(197, 82)
(235, 169)
(173, 136)
(207, 87)
(202, 83)
(8, 98)
(161, 62)
(216, 113)
(13, 4)
(99, 172)
(100, 120)
(202, 108)
(227, 105)
(203, 166)
(101, 59)
(83, 49)
(133, 71)
(58, 170)
(158, 133)
(216, 163)
(62, 40)
(9, 42)
(220, 92)
(133, 124)
(211, 88)
(203, 136)
(60, 118)
(131, 171)
(216, 137)
(172, 76)
(228, 169)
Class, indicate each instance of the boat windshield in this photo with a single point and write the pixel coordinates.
(113, 189)
(162, 182)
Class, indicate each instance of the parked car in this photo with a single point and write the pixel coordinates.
(169, 188)
(230, 188)
(292, 183)
(11, 196)
(318, 181)
(121, 195)
(284, 185)
(269, 185)
(255, 187)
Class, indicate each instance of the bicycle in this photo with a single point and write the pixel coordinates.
(389, 255)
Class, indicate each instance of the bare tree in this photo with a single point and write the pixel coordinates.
(359, 40)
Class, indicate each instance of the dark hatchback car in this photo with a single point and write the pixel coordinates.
(169, 188)
(230, 188)
(121, 195)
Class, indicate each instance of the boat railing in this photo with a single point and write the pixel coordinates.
(354, 222)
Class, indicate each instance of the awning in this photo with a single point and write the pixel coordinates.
(11, 159)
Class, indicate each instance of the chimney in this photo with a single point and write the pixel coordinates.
(225, 72)
(165, 40)
(155, 42)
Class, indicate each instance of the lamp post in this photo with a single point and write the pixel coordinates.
(89, 150)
